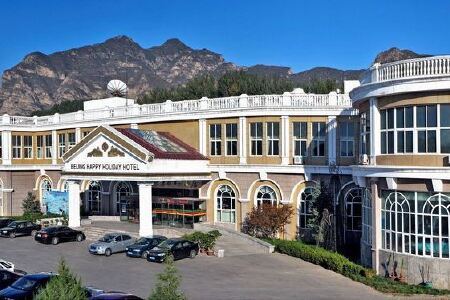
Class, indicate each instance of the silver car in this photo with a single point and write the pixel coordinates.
(111, 243)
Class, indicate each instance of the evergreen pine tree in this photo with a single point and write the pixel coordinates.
(65, 286)
(168, 283)
(30, 205)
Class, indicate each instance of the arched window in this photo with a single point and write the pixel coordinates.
(353, 209)
(44, 186)
(305, 208)
(433, 226)
(122, 189)
(396, 223)
(366, 234)
(266, 194)
(94, 197)
(226, 204)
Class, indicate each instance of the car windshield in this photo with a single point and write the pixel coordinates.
(107, 238)
(168, 244)
(142, 241)
(24, 284)
(13, 224)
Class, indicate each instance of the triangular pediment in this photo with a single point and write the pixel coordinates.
(104, 150)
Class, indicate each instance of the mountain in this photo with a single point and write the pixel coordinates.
(395, 54)
(39, 81)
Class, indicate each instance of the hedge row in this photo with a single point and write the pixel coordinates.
(336, 262)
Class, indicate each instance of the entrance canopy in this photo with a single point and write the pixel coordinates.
(133, 154)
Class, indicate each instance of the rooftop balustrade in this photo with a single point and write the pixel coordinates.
(294, 100)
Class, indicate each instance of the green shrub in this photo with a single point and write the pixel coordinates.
(340, 264)
(167, 287)
(206, 241)
(65, 286)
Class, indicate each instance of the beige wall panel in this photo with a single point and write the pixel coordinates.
(425, 160)
(413, 99)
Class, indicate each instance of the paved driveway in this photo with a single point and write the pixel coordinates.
(256, 276)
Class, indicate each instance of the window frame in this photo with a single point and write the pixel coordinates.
(319, 139)
(272, 139)
(258, 139)
(215, 139)
(300, 141)
(231, 139)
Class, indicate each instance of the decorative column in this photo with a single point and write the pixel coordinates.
(202, 136)
(55, 142)
(376, 226)
(375, 136)
(74, 204)
(331, 140)
(242, 140)
(77, 135)
(285, 140)
(145, 209)
(6, 147)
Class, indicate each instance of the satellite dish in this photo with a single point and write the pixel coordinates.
(117, 88)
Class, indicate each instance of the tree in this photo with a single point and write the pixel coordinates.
(64, 286)
(30, 205)
(168, 283)
(321, 222)
(267, 220)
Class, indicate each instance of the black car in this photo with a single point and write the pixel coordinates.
(5, 222)
(57, 234)
(25, 287)
(17, 228)
(116, 296)
(143, 245)
(7, 278)
(177, 248)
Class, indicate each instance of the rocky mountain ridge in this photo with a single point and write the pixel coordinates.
(40, 80)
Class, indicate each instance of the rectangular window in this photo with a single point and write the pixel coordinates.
(346, 134)
(28, 146)
(426, 119)
(215, 139)
(445, 140)
(365, 134)
(231, 138)
(48, 146)
(300, 138)
(273, 138)
(1, 148)
(256, 138)
(40, 146)
(404, 126)
(318, 138)
(85, 133)
(16, 146)
(70, 140)
(387, 130)
(445, 115)
(61, 144)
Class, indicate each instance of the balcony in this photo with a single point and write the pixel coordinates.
(286, 101)
(412, 75)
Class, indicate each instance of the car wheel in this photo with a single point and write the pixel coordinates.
(144, 254)
(193, 254)
(33, 233)
(55, 241)
(79, 238)
(12, 235)
(108, 252)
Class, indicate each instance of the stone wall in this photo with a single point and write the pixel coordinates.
(439, 268)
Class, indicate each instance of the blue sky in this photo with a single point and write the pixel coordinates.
(299, 34)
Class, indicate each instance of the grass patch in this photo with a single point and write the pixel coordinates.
(340, 264)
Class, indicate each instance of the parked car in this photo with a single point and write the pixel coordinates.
(141, 247)
(17, 228)
(111, 243)
(6, 265)
(5, 222)
(177, 248)
(57, 234)
(25, 287)
(116, 296)
(7, 278)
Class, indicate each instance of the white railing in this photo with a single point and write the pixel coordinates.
(426, 67)
(243, 102)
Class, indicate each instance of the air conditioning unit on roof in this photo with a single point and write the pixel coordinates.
(363, 159)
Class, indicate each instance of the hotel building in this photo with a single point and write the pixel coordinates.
(382, 147)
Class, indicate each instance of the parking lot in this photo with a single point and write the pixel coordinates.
(256, 276)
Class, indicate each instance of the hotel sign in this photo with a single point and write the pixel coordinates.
(106, 167)
(103, 155)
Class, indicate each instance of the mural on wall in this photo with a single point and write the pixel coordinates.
(56, 202)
